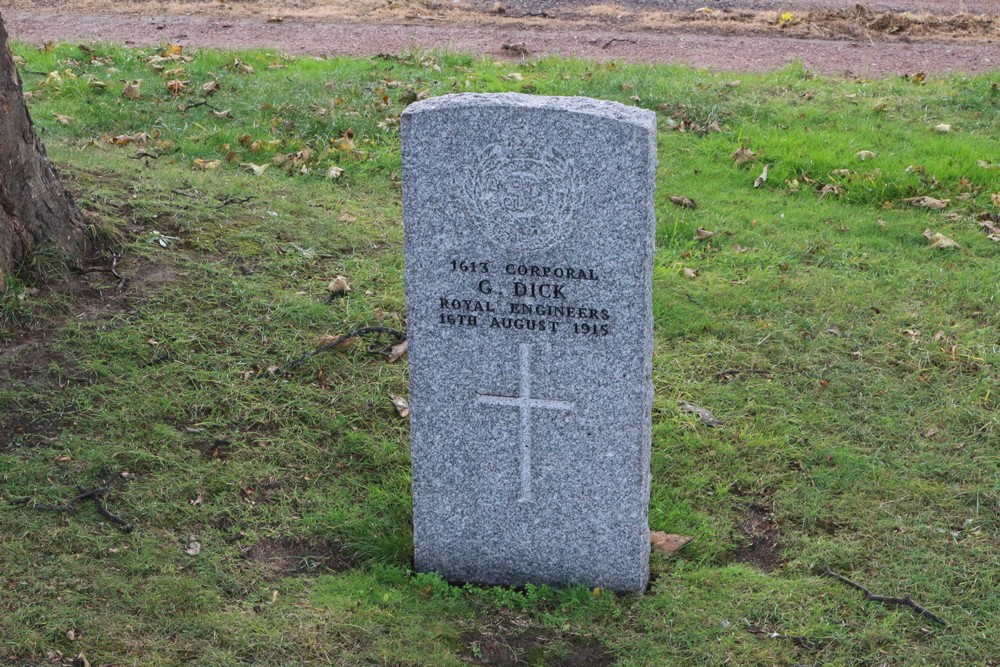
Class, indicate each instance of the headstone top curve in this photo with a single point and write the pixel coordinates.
(584, 105)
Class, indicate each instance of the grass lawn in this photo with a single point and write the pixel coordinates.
(856, 370)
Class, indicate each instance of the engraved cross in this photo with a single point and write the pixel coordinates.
(525, 403)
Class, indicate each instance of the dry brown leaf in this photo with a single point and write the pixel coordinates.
(864, 155)
(398, 350)
(242, 67)
(939, 240)
(683, 201)
(983, 164)
(206, 165)
(131, 90)
(942, 128)
(193, 547)
(995, 198)
(402, 407)
(176, 86)
(338, 286)
(830, 189)
(66, 120)
(913, 334)
(274, 19)
(690, 273)
(666, 543)
(927, 202)
(211, 87)
(334, 172)
(701, 234)
(171, 50)
(742, 155)
(347, 217)
(342, 345)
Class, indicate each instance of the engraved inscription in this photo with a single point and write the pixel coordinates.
(522, 193)
(514, 297)
(525, 404)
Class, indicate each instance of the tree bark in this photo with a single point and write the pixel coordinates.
(35, 208)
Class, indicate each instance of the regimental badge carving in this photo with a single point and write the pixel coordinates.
(523, 194)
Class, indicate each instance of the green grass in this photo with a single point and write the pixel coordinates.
(875, 446)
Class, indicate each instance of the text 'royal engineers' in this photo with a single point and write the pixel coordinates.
(529, 243)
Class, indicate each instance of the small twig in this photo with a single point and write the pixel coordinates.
(95, 494)
(139, 154)
(537, 15)
(186, 194)
(801, 642)
(203, 103)
(234, 200)
(363, 331)
(905, 601)
(618, 39)
(115, 256)
(733, 372)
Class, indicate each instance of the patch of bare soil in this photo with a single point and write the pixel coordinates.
(284, 557)
(507, 645)
(760, 532)
(854, 41)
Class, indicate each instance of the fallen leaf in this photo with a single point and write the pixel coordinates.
(942, 128)
(667, 544)
(913, 334)
(223, 113)
(193, 547)
(939, 240)
(257, 169)
(983, 164)
(707, 418)
(762, 178)
(927, 202)
(73, 634)
(171, 50)
(703, 10)
(206, 165)
(49, 46)
(66, 120)
(211, 87)
(274, 19)
(63, 459)
(199, 499)
(131, 90)
(342, 345)
(995, 198)
(338, 287)
(833, 330)
(683, 201)
(830, 189)
(742, 155)
(402, 407)
(242, 67)
(931, 432)
(347, 217)
(701, 234)
(176, 86)
(397, 351)
(864, 155)
(334, 172)
(81, 661)
(841, 172)
(736, 247)
(690, 273)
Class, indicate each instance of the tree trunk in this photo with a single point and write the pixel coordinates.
(35, 208)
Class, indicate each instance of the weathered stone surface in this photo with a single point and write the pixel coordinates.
(529, 233)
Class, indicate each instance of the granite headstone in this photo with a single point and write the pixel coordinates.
(529, 234)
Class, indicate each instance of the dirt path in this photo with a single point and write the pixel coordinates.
(828, 36)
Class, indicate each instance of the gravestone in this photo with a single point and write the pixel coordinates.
(529, 233)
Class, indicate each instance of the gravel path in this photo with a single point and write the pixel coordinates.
(487, 32)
